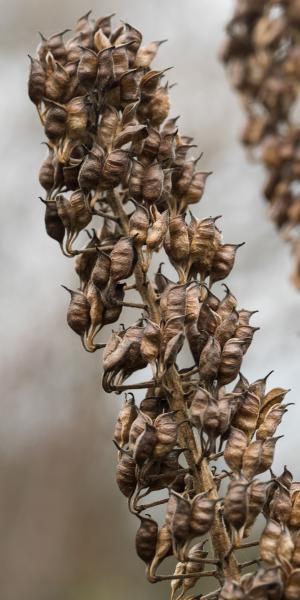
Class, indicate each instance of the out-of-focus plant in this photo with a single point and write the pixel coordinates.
(262, 56)
(117, 163)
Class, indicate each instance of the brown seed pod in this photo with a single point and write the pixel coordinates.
(85, 261)
(77, 119)
(166, 434)
(138, 426)
(126, 417)
(136, 178)
(101, 270)
(151, 341)
(202, 514)
(271, 421)
(78, 315)
(125, 474)
(280, 507)
(96, 313)
(57, 80)
(294, 522)
(210, 359)
(152, 185)
(231, 360)
(91, 169)
(252, 459)
(268, 449)
(223, 261)
(88, 67)
(236, 506)
(139, 224)
(203, 244)
(55, 122)
(269, 541)
(247, 414)
(273, 398)
(105, 68)
(47, 171)
(53, 223)
(176, 243)
(145, 445)
(146, 539)
(198, 407)
(257, 497)
(107, 127)
(146, 54)
(123, 259)
(227, 328)
(235, 448)
(158, 230)
(115, 167)
(180, 522)
(36, 82)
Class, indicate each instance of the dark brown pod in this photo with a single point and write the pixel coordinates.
(115, 167)
(247, 414)
(223, 261)
(146, 539)
(123, 259)
(53, 223)
(125, 474)
(231, 360)
(55, 44)
(210, 359)
(202, 514)
(139, 224)
(235, 448)
(78, 315)
(105, 67)
(36, 82)
(145, 445)
(47, 171)
(107, 127)
(55, 122)
(153, 183)
(101, 270)
(236, 506)
(85, 261)
(180, 523)
(91, 169)
(126, 417)
(88, 67)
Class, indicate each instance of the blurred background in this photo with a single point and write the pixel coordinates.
(65, 532)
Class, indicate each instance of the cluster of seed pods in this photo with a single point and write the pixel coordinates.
(262, 56)
(117, 162)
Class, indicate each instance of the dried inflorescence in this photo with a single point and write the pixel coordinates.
(117, 163)
(262, 55)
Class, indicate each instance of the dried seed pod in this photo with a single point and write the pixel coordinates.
(90, 172)
(252, 459)
(47, 171)
(101, 270)
(203, 244)
(145, 445)
(166, 434)
(107, 127)
(280, 507)
(247, 415)
(36, 82)
(126, 417)
(271, 421)
(125, 474)
(85, 261)
(56, 81)
(146, 54)
(257, 497)
(235, 448)
(227, 328)
(195, 564)
(53, 223)
(152, 185)
(139, 224)
(294, 522)
(269, 541)
(78, 315)
(273, 398)
(202, 514)
(96, 313)
(146, 539)
(138, 426)
(136, 180)
(177, 244)
(151, 341)
(198, 407)
(115, 167)
(88, 67)
(231, 360)
(236, 505)
(268, 449)
(55, 122)
(210, 360)
(123, 259)
(157, 232)
(223, 261)
(105, 68)
(180, 523)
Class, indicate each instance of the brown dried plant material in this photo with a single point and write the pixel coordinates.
(116, 163)
(261, 53)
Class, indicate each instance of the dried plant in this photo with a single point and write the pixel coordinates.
(262, 55)
(115, 157)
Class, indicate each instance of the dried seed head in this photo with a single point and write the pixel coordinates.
(78, 316)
